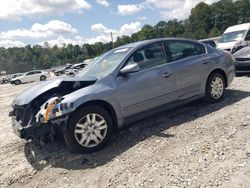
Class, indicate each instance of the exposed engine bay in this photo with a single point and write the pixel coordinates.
(33, 120)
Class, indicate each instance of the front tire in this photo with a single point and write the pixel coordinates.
(88, 129)
(215, 88)
(17, 82)
(43, 78)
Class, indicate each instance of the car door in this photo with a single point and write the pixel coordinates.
(37, 75)
(27, 76)
(30, 76)
(153, 86)
(191, 64)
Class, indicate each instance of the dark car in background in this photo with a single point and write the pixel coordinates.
(79, 66)
(210, 42)
(242, 61)
(63, 70)
(122, 86)
(75, 69)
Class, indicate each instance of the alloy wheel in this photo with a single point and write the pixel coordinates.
(90, 130)
(217, 87)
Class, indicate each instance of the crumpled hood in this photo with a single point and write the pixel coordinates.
(33, 92)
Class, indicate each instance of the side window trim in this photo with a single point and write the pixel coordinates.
(167, 51)
(158, 42)
(29, 73)
(192, 56)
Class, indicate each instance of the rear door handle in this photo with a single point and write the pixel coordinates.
(166, 74)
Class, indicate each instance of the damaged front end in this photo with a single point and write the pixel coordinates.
(46, 114)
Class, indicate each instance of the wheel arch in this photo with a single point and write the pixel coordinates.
(104, 104)
(43, 76)
(222, 72)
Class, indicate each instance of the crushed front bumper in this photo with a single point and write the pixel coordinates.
(29, 131)
(37, 130)
(18, 129)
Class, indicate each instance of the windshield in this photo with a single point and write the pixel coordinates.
(104, 64)
(232, 36)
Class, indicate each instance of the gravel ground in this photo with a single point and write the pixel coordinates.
(196, 145)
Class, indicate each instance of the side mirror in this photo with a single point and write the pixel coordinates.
(131, 68)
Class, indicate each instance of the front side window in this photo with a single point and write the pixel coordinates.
(183, 49)
(232, 36)
(149, 56)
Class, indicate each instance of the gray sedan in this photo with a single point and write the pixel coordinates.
(122, 86)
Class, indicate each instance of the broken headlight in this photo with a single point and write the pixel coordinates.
(49, 110)
(53, 108)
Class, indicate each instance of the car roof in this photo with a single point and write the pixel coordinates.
(245, 26)
(145, 42)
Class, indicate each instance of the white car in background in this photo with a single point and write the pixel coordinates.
(235, 38)
(31, 76)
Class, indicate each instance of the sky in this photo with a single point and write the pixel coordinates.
(58, 22)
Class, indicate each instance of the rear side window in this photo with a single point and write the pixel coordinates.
(34, 72)
(149, 56)
(183, 49)
(30, 73)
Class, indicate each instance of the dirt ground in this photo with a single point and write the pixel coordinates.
(196, 145)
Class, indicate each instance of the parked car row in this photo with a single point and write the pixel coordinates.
(124, 85)
(62, 71)
(72, 70)
(36, 75)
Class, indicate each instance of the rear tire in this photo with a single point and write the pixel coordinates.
(215, 88)
(88, 129)
(43, 78)
(17, 82)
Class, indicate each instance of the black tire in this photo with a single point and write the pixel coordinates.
(43, 78)
(17, 82)
(209, 96)
(69, 130)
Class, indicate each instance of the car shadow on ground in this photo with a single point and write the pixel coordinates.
(58, 155)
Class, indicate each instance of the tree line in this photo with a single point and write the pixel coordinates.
(205, 21)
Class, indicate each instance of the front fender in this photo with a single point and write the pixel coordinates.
(69, 103)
